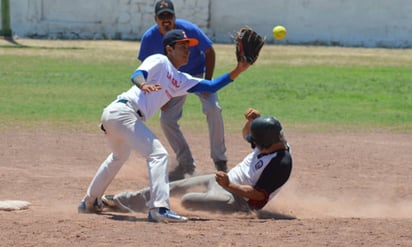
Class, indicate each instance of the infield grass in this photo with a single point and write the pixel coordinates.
(67, 83)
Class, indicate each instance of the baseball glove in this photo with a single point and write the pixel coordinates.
(248, 45)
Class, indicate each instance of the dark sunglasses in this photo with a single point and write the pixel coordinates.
(165, 16)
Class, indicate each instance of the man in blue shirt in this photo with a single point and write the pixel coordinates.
(201, 64)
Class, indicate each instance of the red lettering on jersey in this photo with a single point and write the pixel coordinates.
(172, 80)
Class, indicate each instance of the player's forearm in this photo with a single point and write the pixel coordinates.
(250, 114)
(246, 191)
(240, 67)
(211, 86)
(138, 78)
(246, 128)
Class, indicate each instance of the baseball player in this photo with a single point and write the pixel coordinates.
(201, 63)
(156, 81)
(246, 187)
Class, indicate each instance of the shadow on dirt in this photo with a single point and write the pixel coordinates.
(118, 217)
(262, 214)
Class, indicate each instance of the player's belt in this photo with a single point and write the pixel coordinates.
(125, 101)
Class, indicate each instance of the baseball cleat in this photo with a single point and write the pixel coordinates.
(165, 215)
(108, 200)
(221, 165)
(181, 171)
(97, 207)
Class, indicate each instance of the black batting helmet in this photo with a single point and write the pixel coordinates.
(265, 131)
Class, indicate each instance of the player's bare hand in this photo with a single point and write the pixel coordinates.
(251, 114)
(148, 88)
(222, 179)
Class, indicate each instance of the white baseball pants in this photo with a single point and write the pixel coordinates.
(125, 132)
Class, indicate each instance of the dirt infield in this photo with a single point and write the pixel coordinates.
(347, 189)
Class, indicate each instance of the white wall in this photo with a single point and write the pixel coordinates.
(370, 23)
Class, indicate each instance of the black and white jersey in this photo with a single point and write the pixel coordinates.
(265, 172)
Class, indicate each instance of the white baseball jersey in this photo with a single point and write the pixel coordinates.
(159, 71)
(249, 170)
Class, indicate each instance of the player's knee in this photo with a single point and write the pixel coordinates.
(169, 121)
(192, 200)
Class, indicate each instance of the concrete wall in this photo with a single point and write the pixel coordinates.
(368, 23)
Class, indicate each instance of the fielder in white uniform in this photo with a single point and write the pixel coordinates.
(247, 187)
(156, 80)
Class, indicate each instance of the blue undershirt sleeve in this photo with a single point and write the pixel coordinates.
(211, 86)
(138, 72)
